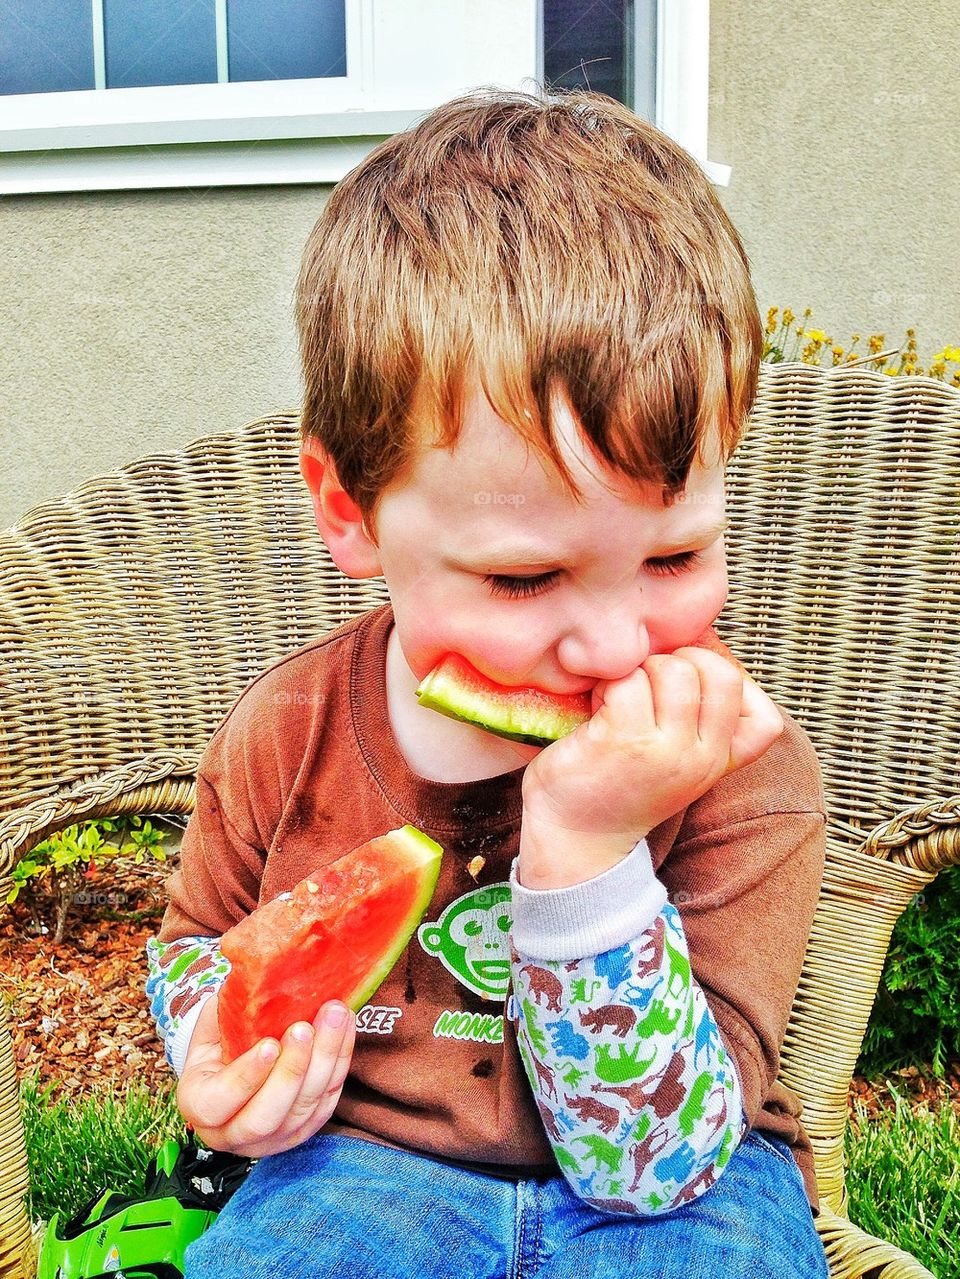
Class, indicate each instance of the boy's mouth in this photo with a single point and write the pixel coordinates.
(519, 712)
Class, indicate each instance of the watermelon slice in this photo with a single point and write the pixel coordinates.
(335, 936)
(455, 688)
(522, 714)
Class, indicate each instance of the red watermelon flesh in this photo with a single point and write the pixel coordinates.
(523, 714)
(711, 640)
(336, 936)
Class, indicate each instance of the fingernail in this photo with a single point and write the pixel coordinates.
(302, 1033)
(335, 1015)
(269, 1050)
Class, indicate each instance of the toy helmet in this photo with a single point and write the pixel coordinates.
(119, 1237)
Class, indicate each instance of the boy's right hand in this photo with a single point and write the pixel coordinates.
(257, 1105)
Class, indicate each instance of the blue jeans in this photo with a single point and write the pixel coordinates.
(340, 1206)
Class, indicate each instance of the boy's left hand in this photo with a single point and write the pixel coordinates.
(658, 739)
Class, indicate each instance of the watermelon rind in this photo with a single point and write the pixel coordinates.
(526, 715)
(428, 852)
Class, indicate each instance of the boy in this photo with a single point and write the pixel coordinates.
(529, 343)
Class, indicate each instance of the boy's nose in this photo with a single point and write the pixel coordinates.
(606, 646)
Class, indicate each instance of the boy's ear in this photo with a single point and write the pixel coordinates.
(338, 517)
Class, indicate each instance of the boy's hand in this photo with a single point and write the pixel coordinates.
(658, 739)
(257, 1106)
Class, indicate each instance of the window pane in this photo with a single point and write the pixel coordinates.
(592, 32)
(644, 49)
(46, 46)
(609, 46)
(160, 42)
(303, 39)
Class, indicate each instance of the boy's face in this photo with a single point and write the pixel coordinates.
(611, 581)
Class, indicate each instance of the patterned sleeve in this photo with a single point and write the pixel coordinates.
(181, 977)
(639, 1097)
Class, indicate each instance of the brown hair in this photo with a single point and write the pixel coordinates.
(538, 242)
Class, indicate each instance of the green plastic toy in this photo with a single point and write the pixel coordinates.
(118, 1237)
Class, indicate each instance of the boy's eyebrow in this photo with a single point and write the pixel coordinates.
(526, 557)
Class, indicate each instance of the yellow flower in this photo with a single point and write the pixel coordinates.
(952, 353)
(855, 339)
(807, 314)
(955, 380)
(940, 355)
(876, 343)
(937, 368)
(772, 319)
(911, 333)
(815, 335)
(788, 317)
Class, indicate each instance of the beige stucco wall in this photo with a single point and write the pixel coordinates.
(134, 321)
(839, 122)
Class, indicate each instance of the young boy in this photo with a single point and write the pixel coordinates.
(529, 343)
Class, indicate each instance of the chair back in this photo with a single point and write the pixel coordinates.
(844, 602)
(844, 557)
(134, 610)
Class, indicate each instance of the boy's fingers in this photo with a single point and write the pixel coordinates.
(205, 1040)
(223, 1090)
(735, 708)
(720, 697)
(329, 1062)
(266, 1110)
(676, 693)
(759, 726)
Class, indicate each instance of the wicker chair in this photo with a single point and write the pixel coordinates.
(134, 610)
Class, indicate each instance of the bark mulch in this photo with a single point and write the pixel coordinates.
(78, 1011)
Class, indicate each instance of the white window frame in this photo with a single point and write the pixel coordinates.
(315, 130)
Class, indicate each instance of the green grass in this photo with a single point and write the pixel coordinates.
(903, 1170)
(78, 1149)
(903, 1181)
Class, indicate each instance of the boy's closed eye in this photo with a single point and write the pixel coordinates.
(516, 587)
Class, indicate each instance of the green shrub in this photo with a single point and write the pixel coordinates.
(51, 877)
(916, 1015)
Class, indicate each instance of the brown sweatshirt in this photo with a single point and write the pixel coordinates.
(304, 767)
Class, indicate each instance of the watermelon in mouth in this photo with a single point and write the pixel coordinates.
(517, 712)
(456, 688)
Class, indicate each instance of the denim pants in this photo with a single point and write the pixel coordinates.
(341, 1206)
